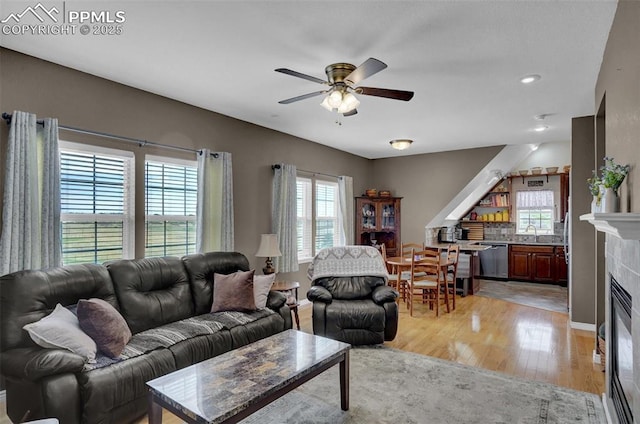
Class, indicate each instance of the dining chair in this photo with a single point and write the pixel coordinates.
(425, 280)
(393, 276)
(452, 255)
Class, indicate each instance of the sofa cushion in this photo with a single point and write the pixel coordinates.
(106, 389)
(61, 330)
(202, 266)
(104, 324)
(233, 292)
(151, 291)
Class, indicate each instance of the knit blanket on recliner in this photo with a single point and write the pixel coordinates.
(347, 261)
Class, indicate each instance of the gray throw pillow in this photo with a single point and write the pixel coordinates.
(261, 287)
(104, 324)
(61, 330)
(233, 292)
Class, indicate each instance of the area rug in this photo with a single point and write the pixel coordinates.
(543, 296)
(392, 386)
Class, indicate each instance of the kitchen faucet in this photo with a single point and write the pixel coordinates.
(535, 231)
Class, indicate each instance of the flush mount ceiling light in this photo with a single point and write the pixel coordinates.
(528, 79)
(541, 128)
(400, 144)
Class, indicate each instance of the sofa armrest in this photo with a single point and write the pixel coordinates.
(319, 294)
(384, 294)
(276, 300)
(34, 363)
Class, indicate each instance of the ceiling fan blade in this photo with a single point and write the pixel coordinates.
(300, 75)
(384, 92)
(304, 96)
(369, 67)
(350, 113)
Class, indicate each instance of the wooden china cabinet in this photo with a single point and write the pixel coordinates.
(378, 222)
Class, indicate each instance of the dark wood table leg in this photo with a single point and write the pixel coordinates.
(344, 382)
(154, 411)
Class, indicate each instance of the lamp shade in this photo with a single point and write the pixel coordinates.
(268, 246)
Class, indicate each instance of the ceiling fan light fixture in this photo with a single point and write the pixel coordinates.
(335, 99)
(325, 104)
(349, 103)
(400, 144)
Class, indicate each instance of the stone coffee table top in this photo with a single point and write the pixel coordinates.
(219, 388)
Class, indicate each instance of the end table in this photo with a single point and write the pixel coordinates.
(291, 289)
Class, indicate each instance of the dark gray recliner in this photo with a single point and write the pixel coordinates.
(355, 305)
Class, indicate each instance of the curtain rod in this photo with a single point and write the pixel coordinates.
(141, 143)
(277, 166)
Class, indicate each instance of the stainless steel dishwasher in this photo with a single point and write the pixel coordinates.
(494, 262)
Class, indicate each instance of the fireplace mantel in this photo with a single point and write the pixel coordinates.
(622, 225)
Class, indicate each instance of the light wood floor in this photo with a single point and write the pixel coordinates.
(493, 334)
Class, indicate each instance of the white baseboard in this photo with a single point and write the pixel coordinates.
(596, 357)
(582, 326)
(605, 405)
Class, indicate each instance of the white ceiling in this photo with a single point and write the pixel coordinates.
(463, 60)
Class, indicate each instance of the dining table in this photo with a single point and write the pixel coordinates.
(403, 263)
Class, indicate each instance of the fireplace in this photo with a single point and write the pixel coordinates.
(621, 351)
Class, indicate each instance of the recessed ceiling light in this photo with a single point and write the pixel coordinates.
(528, 79)
(541, 128)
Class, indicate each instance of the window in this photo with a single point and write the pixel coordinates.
(171, 188)
(96, 202)
(534, 208)
(317, 216)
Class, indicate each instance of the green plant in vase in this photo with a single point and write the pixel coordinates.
(613, 175)
(594, 187)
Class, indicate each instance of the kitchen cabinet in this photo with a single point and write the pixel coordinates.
(378, 222)
(539, 264)
(561, 267)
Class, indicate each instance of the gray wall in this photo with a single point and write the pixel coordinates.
(427, 183)
(619, 80)
(583, 234)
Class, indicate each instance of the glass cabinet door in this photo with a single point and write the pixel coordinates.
(388, 221)
(368, 216)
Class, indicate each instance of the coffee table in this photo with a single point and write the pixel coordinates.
(234, 385)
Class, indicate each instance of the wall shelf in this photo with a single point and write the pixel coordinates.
(622, 225)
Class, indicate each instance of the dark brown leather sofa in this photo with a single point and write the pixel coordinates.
(149, 293)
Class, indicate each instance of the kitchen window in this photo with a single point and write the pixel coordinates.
(317, 204)
(171, 188)
(535, 208)
(96, 203)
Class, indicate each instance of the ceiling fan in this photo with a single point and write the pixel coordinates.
(342, 81)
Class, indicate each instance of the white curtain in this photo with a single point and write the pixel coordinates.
(31, 202)
(284, 217)
(345, 188)
(214, 228)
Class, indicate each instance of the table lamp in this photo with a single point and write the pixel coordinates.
(268, 249)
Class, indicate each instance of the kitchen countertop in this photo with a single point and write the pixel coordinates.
(529, 243)
(464, 246)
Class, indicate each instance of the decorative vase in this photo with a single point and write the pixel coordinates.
(610, 202)
(595, 204)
